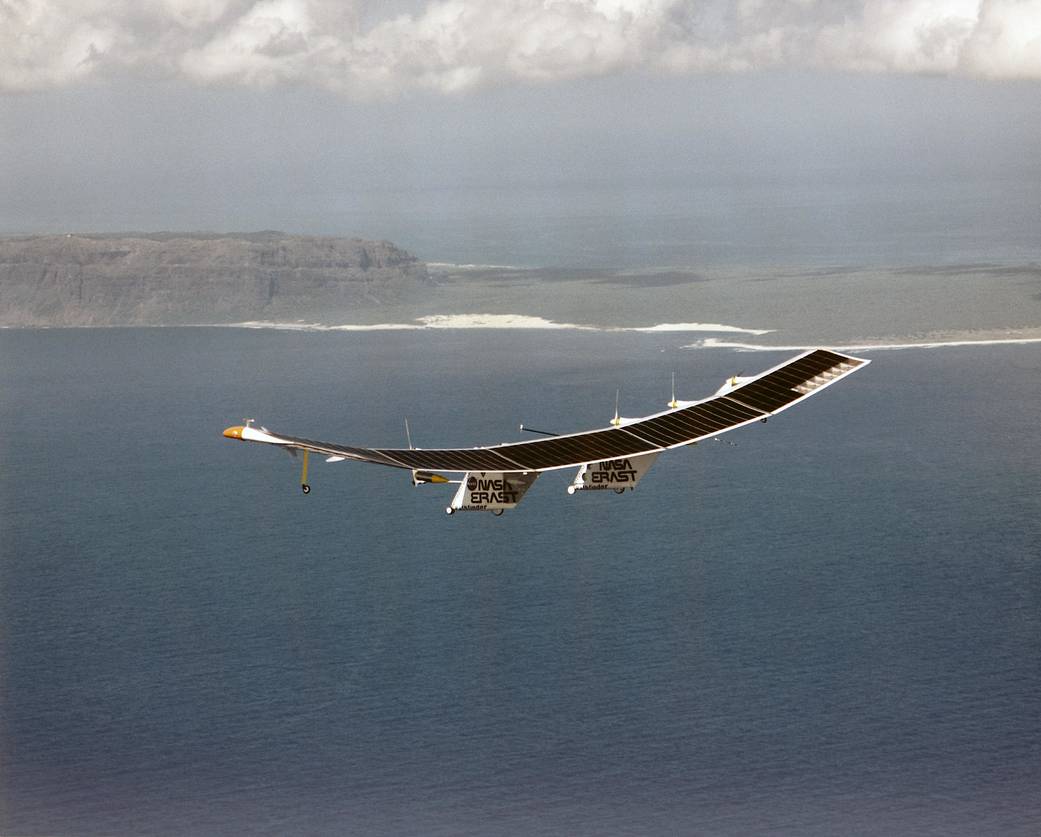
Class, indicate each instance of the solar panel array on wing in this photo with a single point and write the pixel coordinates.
(745, 403)
(582, 447)
(777, 389)
(694, 422)
(844, 367)
(462, 459)
(525, 456)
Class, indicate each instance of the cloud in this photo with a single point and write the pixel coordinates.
(452, 46)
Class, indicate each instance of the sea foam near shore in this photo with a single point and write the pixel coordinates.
(491, 321)
(715, 343)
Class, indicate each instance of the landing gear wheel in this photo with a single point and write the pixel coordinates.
(619, 491)
(305, 488)
(498, 512)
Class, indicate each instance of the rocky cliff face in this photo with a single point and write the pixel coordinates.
(169, 279)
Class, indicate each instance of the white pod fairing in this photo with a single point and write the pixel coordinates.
(617, 474)
(493, 491)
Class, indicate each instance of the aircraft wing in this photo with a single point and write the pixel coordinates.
(741, 401)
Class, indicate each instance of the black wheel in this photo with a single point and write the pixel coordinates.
(305, 488)
(619, 491)
(498, 512)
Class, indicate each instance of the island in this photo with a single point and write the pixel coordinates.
(278, 280)
(199, 278)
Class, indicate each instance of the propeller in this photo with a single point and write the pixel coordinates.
(673, 402)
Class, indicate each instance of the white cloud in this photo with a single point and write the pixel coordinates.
(924, 36)
(273, 41)
(452, 46)
(1007, 41)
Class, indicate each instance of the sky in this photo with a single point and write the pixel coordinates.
(372, 118)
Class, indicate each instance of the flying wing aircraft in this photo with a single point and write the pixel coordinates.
(496, 477)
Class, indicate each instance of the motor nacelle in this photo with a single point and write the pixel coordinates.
(424, 477)
(616, 474)
(493, 491)
(733, 382)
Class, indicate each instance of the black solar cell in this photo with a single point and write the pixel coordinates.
(807, 367)
(746, 413)
(764, 399)
(666, 430)
(583, 447)
(703, 418)
(651, 435)
(683, 425)
(727, 411)
(779, 388)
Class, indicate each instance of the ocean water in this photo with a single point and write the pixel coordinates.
(762, 221)
(832, 628)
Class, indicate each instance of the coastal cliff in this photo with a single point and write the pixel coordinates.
(176, 278)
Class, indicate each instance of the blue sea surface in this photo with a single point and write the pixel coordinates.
(762, 222)
(832, 628)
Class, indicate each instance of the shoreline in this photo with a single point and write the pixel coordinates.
(746, 310)
(492, 322)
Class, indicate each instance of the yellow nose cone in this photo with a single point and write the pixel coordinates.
(234, 432)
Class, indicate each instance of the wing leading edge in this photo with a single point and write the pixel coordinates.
(740, 402)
